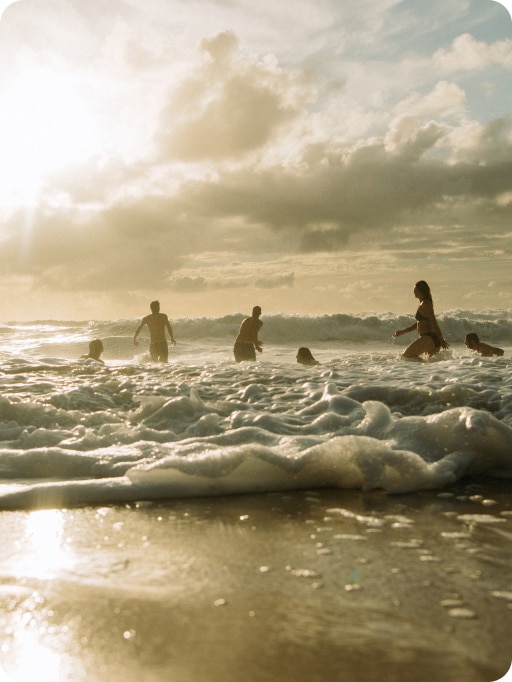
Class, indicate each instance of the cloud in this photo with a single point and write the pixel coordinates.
(227, 106)
(444, 100)
(410, 139)
(489, 144)
(275, 282)
(375, 185)
(188, 284)
(198, 283)
(319, 205)
(469, 54)
(114, 249)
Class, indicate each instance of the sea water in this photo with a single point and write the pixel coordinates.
(75, 431)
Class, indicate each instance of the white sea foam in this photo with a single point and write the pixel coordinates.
(78, 432)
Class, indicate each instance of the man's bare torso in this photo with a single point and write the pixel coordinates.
(156, 323)
(249, 329)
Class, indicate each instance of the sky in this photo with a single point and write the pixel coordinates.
(312, 157)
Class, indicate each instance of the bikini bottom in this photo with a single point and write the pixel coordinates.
(434, 338)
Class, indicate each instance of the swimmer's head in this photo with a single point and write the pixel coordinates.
(95, 348)
(305, 356)
(471, 339)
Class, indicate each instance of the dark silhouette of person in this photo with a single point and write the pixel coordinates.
(157, 323)
(473, 343)
(305, 357)
(95, 351)
(247, 342)
(430, 338)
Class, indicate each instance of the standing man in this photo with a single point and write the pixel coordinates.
(157, 323)
(247, 343)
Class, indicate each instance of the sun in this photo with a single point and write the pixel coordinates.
(46, 124)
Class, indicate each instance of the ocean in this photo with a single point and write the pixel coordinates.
(74, 431)
(206, 520)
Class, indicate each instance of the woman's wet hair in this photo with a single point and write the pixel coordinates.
(424, 288)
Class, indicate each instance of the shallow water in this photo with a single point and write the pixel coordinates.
(309, 585)
(77, 432)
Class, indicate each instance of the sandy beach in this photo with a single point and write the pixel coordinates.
(314, 585)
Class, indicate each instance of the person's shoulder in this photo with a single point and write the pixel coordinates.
(488, 351)
(494, 350)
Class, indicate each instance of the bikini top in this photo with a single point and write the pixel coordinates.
(420, 317)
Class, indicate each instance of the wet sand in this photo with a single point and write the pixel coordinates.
(307, 586)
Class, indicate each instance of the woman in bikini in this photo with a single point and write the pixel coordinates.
(430, 338)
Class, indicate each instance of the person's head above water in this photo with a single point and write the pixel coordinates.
(95, 349)
(155, 306)
(471, 339)
(305, 357)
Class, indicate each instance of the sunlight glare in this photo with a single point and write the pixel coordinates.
(35, 660)
(44, 532)
(46, 124)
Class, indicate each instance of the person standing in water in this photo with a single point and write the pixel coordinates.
(247, 342)
(157, 323)
(430, 338)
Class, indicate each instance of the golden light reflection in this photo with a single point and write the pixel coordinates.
(46, 553)
(34, 661)
(47, 547)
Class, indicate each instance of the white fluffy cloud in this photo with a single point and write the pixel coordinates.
(228, 106)
(468, 54)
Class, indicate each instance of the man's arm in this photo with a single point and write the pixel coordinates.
(255, 329)
(137, 332)
(169, 329)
